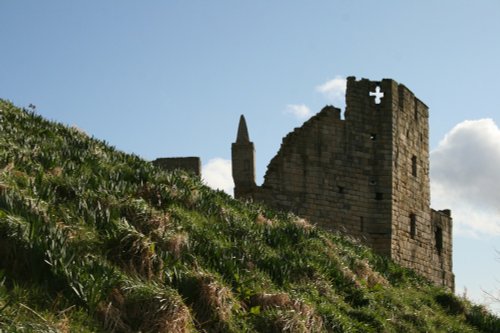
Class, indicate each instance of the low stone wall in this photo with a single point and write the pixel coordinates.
(189, 164)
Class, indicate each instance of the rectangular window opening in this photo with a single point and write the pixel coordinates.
(416, 111)
(379, 196)
(439, 240)
(373, 136)
(414, 166)
(413, 226)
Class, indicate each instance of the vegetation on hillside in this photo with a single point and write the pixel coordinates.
(95, 240)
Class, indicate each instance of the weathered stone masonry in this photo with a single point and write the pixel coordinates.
(367, 175)
(189, 164)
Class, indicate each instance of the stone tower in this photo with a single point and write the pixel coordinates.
(366, 175)
(243, 162)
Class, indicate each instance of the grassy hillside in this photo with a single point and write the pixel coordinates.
(95, 240)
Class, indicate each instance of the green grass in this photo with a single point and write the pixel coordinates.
(95, 240)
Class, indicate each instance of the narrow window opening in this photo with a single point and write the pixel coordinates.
(340, 189)
(379, 196)
(414, 166)
(413, 226)
(373, 136)
(416, 111)
(439, 240)
(246, 165)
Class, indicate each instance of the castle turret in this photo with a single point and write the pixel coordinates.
(243, 162)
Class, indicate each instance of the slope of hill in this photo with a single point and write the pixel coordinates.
(95, 240)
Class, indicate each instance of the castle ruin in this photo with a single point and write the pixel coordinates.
(190, 164)
(366, 175)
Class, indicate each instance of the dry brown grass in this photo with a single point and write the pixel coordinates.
(111, 318)
(9, 167)
(292, 315)
(111, 312)
(324, 288)
(350, 276)
(301, 319)
(266, 301)
(163, 316)
(214, 303)
(147, 220)
(157, 224)
(364, 272)
(262, 220)
(332, 251)
(303, 224)
(126, 314)
(136, 255)
(63, 325)
(149, 193)
(330, 245)
(361, 272)
(177, 244)
(56, 172)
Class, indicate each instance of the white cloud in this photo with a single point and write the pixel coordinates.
(465, 176)
(300, 111)
(218, 175)
(334, 90)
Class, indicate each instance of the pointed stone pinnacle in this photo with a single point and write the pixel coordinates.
(242, 136)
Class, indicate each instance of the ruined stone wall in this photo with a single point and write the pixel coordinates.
(308, 176)
(367, 176)
(338, 173)
(442, 244)
(189, 164)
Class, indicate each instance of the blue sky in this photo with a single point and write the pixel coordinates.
(170, 78)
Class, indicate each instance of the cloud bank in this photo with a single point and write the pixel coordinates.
(299, 111)
(465, 176)
(217, 174)
(334, 90)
